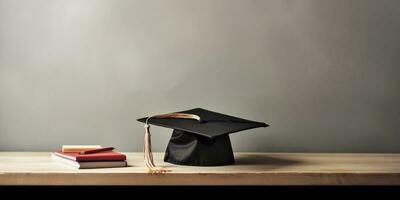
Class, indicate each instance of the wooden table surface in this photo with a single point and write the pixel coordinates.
(38, 168)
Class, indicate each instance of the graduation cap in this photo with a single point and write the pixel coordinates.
(200, 137)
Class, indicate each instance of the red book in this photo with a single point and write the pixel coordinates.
(102, 156)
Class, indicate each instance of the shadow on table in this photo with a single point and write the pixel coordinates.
(266, 160)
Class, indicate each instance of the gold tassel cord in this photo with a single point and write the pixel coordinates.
(178, 116)
(148, 154)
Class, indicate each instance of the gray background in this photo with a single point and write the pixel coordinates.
(324, 73)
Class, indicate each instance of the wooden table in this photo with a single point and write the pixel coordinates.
(38, 168)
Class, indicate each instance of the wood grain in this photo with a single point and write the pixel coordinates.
(37, 168)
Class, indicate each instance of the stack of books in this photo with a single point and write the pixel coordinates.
(86, 157)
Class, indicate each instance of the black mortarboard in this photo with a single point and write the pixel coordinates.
(201, 140)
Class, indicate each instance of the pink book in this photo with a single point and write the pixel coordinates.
(101, 156)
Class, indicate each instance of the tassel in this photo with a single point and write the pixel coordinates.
(148, 154)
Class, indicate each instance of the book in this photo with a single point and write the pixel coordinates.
(101, 156)
(78, 148)
(89, 164)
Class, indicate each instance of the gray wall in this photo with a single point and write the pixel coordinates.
(324, 73)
